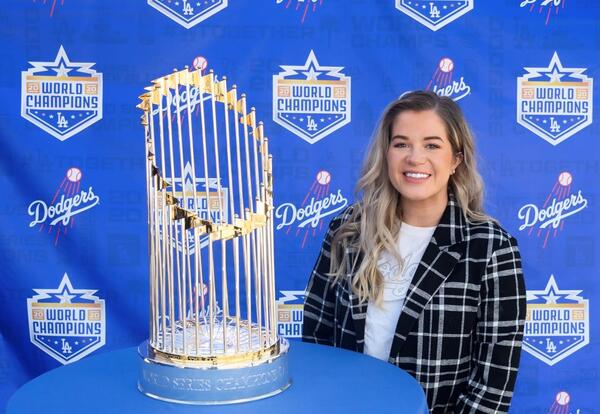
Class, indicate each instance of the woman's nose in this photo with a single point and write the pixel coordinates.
(415, 156)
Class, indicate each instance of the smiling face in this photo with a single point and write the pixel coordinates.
(420, 160)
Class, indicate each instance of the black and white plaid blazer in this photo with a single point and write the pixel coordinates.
(461, 328)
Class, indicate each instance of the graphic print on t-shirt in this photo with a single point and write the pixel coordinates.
(396, 279)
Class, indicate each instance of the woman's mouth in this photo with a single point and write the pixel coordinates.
(413, 176)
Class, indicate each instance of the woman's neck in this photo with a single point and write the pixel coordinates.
(423, 214)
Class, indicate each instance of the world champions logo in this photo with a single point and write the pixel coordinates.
(554, 102)
(188, 13)
(290, 313)
(205, 198)
(311, 100)
(61, 97)
(556, 324)
(66, 323)
(435, 14)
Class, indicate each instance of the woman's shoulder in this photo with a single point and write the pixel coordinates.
(344, 216)
(489, 230)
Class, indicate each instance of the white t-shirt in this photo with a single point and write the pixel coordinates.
(381, 321)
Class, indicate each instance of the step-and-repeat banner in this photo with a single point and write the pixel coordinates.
(73, 245)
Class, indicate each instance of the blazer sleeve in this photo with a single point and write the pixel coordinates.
(498, 334)
(319, 305)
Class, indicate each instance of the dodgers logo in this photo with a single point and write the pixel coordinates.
(61, 97)
(443, 83)
(69, 200)
(53, 5)
(547, 220)
(303, 6)
(435, 14)
(310, 100)
(290, 313)
(66, 323)
(557, 323)
(546, 7)
(188, 13)
(208, 199)
(560, 405)
(554, 102)
(318, 203)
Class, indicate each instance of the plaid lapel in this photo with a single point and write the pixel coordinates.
(441, 255)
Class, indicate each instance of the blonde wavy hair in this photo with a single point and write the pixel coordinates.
(374, 223)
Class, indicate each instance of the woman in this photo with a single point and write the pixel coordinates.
(415, 273)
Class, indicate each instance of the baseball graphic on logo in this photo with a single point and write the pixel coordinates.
(74, 174)
(323, 177)
(563, 398)
(565, 178)
(200, 62)
(446, 65)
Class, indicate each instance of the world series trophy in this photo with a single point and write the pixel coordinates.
(213, 321)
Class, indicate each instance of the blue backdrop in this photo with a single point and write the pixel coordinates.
(319, 72)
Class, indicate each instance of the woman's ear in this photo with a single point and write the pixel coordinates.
(458, 159)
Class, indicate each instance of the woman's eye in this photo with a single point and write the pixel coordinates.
(400, 145)
(432, 146)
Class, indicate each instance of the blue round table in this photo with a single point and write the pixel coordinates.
(324, 380)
